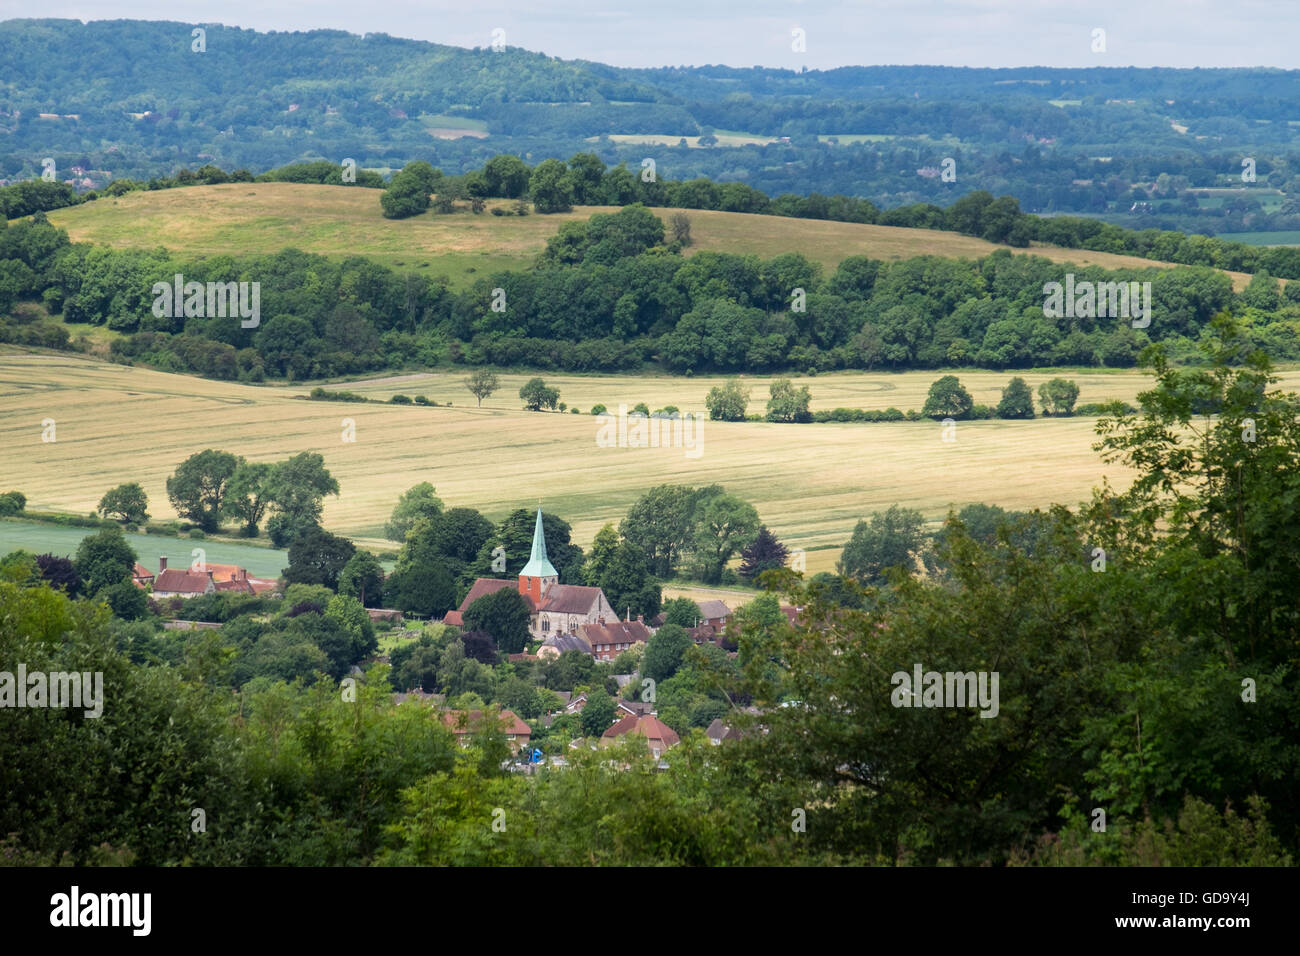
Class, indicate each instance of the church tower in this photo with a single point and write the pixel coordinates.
(538, 574)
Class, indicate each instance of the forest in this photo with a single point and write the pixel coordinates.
(1101, 142)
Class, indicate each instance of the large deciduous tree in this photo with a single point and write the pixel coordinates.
(127, 502)
(197, 490)
(503, 614)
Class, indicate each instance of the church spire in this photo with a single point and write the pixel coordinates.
(539, 566)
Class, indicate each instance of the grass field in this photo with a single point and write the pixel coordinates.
(341, 221)
(810, 483)
(1282, 238)
(40, 537)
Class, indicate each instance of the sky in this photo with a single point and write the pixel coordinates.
(992, 33)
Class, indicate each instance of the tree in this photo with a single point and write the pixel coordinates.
(947, 399)
(479, 646)
(603, 547)
(127, 502)
(408, 192)
(1058, 396)
(349, 614)
(728, 402)
(551, 187)
(892, 539)
(787, 403)
(104, 559)
(681, 611)
(297, 486)
(1017, 400)
(723, 525)
(538, 395)
(197, 490)
(504, 615)
(481, 383)
(61, 573)
(318, 557)
(598, 712)
(764, 553)
(12, 503)
(627, 583)
(248, 495)
(427, 588)
(660, 525)
(419, 501)
(506, 176)
(363, 578)
(665, 652)
(680, 224)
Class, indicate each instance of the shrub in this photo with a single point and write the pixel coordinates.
(400, 400)
(575, 411)
(597, 409)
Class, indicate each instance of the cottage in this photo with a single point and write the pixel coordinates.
(465, 724)
(609, 640)
(659, 736)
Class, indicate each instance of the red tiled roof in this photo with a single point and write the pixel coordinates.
(262, 585)
(142, 572)
(615, 632)
(177, 581)
(569, 599)
(481, 587)
(242, 587)
(510, 722)
(652, 728)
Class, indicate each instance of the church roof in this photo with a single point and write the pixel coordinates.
(539, 566)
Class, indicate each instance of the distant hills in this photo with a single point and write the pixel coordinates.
(134, 98)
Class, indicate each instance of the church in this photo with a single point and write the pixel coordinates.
(555, 608)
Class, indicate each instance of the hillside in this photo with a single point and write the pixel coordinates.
(116, 423)
(342, 221)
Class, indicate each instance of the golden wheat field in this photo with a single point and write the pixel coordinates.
(341, 221)
(810, 483)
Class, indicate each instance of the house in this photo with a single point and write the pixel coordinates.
(714, 613)
(718, 732)
(554, 608)
(464, 725)
(557, 644)
(172, 582)
(377, 614)
(634, 708)
(659, 736)
(142, 576)
(574, 705)
(202, 579)
(704, 634)
(609, 640)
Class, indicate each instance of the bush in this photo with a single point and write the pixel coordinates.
(421, 400)
(197, 534)
(400, 400)
(575, 411)
(12, 503)
(597, 409)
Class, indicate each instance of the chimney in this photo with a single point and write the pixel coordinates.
(162, 563)
(210, 577)
(640, 618)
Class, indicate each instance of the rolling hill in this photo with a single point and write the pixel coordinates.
(341, 221)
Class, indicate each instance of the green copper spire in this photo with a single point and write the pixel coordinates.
(538, 565)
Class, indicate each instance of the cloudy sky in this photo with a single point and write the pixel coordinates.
(1183, 33)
